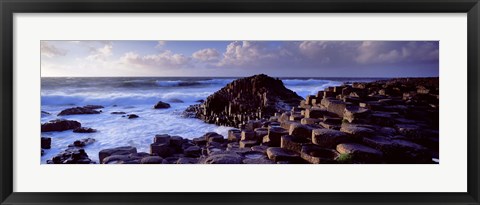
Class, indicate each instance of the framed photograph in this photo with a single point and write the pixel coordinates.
(258, 102)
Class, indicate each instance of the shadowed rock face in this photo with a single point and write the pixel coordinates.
(255, 97)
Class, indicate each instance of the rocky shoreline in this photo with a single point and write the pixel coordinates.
(390, 121)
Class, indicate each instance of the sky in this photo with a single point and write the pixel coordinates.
(240, 58)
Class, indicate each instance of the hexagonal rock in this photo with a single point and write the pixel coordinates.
(260, 133)
(260, 148)
(315, 113)
(355, 114)
(412, 152)
(318, 155)
(410, 131)
(300, 130)
(200, 141)
(116, 151)
(280, 154)
(329, 126)
(248, 143)
(309, 121)
(296, 117)
(328, 138)
(193, 151)
(286, 124)
(274, 135)
(293, 143)
(234, 135)
(361, 153)
(151, 160)
(223, 159)
(162, 139)
(378, 142)
(186, 160)
(248, 135)
(356, 131)
(334, 106)
(213, 137)
(284, 117)
(162, 150)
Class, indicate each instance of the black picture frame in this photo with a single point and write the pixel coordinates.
(10, 7)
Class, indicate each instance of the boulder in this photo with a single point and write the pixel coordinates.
(116, 151)
(280, 154)
(213, 137)
(328, 138)
(60, 125)
(162, 150)
(360, 153)
(161, 105)
(248, 135)
(78, 111)
(316, 113)
(118, 113)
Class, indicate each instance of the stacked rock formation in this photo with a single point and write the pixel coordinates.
(251, 98)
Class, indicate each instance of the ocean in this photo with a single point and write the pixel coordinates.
(138, 95)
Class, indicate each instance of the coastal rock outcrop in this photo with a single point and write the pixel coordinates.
(161, 105)
(60, 125)
(78, 111)
(71, 155)
(250, 98)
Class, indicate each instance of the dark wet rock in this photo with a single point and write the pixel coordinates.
(84, 130)
(193, 151)
(175, 100)
(280, 154)
(71, 156)
(118, 113)
(78, 111)
(82, 142)
(151, 160)
(224, 158)
(162, 150)
(46, 142)
(161, 105)
(319, 155)
(94, 107)
(200, 101)
(60, 125)
(260, 148)
(328, 138)
(162, 139)
(255, 97)
(132, 116)
(116, 151)
(361, 153)
(200, 141)
(133, 158)
(293, 143)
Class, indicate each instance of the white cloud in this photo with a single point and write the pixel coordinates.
(160, 44)
(165, 59)
(48, 50)
(381, 52)
(206, 55)
(247, 53)
(101, 53)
